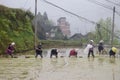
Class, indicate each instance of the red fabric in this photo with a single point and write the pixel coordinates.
(73, 52)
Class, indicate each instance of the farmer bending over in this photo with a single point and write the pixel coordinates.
(10, 49)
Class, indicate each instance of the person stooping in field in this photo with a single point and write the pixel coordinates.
(113, 51)
(39, 51)
(54, 52)
(73, 52)
(10, 49)
(100, 47)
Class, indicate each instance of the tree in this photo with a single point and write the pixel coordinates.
(44, 25)
(45, 17)
(58, 34)
(104, 29)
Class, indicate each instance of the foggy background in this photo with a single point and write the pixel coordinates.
(84, 8)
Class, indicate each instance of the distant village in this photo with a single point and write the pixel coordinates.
(64, 26)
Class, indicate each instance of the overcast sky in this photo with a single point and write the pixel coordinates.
(82, 8)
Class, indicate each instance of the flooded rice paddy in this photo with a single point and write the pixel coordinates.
(80, 68)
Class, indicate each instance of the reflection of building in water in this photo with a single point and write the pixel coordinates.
(64, 26)
(112, 61)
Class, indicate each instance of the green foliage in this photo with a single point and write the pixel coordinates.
(15, 25)
(60, 43)
(104, 30)
(59, 35)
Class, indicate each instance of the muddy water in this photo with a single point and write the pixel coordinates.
(81, 68)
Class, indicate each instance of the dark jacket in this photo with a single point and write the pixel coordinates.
(38, 49)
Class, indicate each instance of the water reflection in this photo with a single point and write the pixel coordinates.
(66, 61)
(90, 59)
(91, 63)
(112, 61)
(100, 61)
(58, 63)
(53, 61)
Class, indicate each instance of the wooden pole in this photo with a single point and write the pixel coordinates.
(112, 38)
(35, 27)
